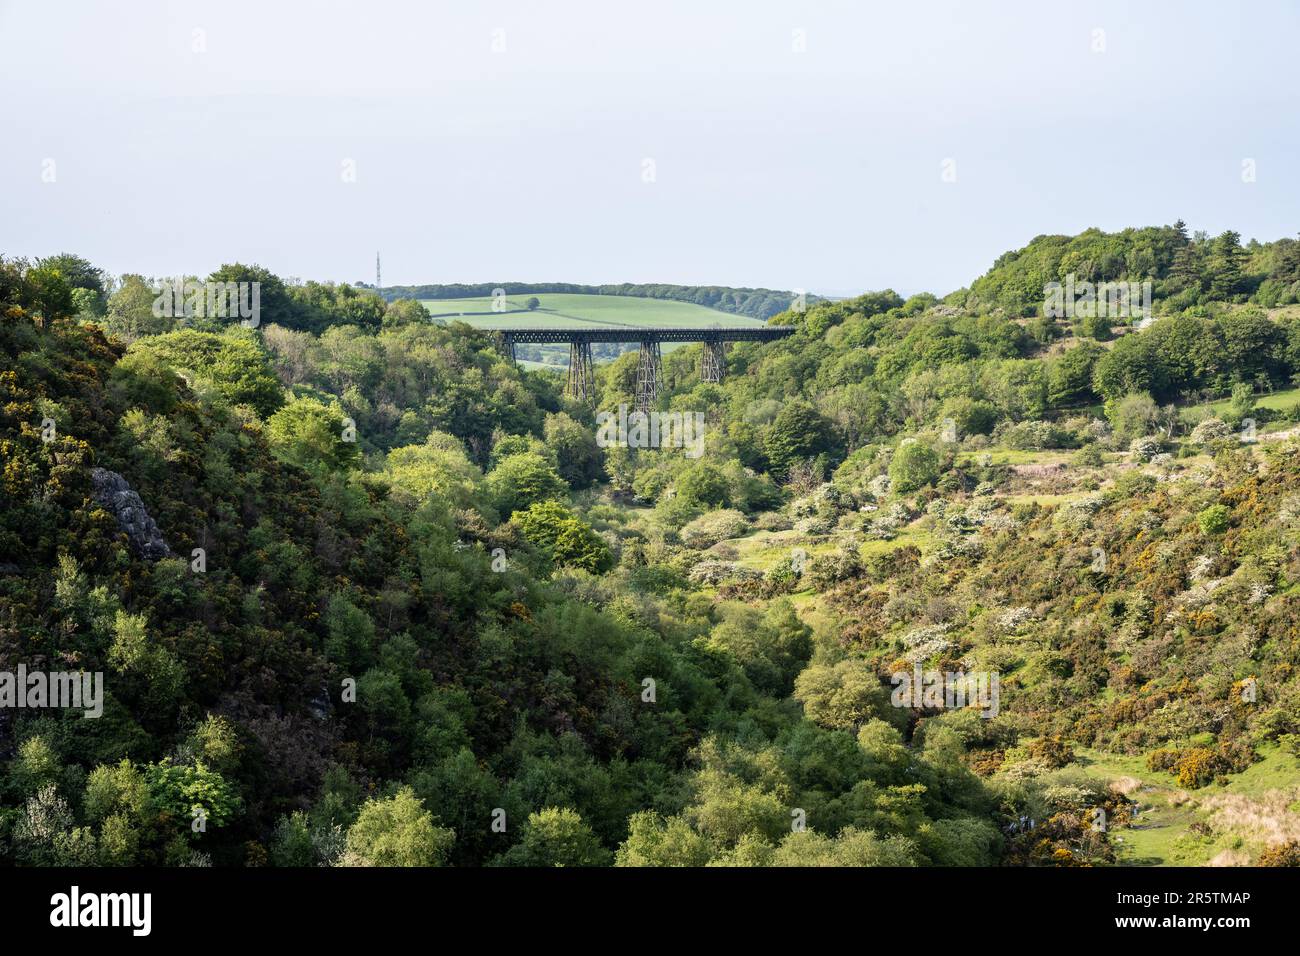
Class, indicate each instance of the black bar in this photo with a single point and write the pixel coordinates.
(1056, 907)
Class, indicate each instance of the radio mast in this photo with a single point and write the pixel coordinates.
(378, 284)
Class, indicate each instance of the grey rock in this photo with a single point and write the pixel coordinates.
(116, 495)
(320, 705)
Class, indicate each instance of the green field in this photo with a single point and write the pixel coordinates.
(1276, 401)
(569, 309)
(1242, 812)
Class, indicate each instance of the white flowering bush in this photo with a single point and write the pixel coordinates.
(817, 524)
(926, 641)
(1200, 568)
(883, 528)
(1259, 593)
(1289, 513)
(1195, 597)
(958, 522)
(1210, 431)
(1077, 515)
(1013, 619)
(999, 521)
(927, 632)
(1145, 448)
(965, 547)
(1089, 505)
(830, 569)
(715, 572)
(708, 529)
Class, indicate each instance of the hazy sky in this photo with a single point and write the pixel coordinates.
(183, 135)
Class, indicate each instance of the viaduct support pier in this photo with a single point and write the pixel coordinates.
(580, 384)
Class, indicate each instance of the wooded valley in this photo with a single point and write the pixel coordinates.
(384, 598)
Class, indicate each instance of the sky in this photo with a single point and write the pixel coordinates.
(832, 147)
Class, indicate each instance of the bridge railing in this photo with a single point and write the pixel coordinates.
(538, 336)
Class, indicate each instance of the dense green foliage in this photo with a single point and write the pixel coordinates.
(1184, 270)
(415, 615)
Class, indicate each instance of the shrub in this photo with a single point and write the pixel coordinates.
(914, 466)
(969, 416)
(1035, 436)
(705, 485)
(555, 529)
(397, 832)
(1197, 767)
(1214, 519)
(815, 525)
(829, 569)
(1132, 485)
(310, 434)
(523, 480)
(829, 501)
(772, 521)
(1052, 751)
(708, 529)
(1283, 854)
(1145, 448)
(1211, 431)
(1164, 759)
(715, 572)
(1089, 456)
(556, 836)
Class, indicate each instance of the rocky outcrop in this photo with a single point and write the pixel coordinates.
(118, 498)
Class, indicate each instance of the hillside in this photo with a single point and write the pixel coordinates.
(395, 601)
(1185, 270)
